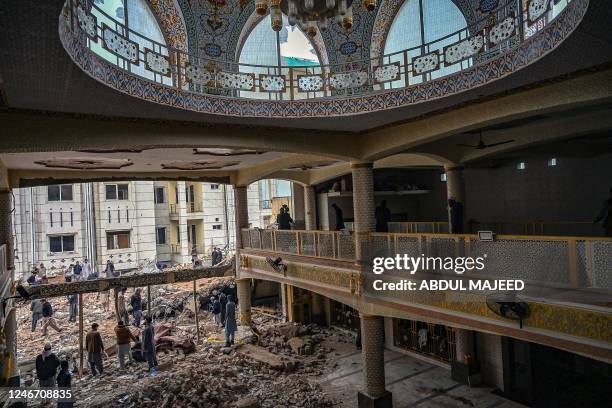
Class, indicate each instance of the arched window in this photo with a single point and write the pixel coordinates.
(423, 26)
(143, 27)
(260, 48)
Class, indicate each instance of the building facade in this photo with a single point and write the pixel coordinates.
(131, 223)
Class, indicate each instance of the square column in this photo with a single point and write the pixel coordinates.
(243, 287)
(454, 191)
(310, 208)
(241, 214)
(298, 206)
(373, 353)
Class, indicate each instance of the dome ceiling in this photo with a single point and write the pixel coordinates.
(216, 28)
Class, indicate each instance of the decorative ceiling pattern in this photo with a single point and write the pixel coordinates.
(385, 14)
(198, 165)
(85, 163)
(171, 21)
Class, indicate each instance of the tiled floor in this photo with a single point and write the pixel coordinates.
(414, 383)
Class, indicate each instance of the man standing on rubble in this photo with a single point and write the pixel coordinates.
(121, 309)
(223, 303)
(124, 335)
(136, 302)
(95, 347)
(77, 271)
(73, 301)
(46, 367)
(230, 321)
(216, 310)
(86, 271)
(148, 345)
(37, 308)
(48, 320)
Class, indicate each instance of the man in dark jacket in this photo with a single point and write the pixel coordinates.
(230, 321)
(136, 302)
(77, 271)
(148, 344)
(95, 348)
(64, 381)
(48, 320)
(605, 216)
(46, 367)
(456, 216)
(73, 301)
(283, 219)
(223, 303)
(37, 308)
(382, 215)
(339, 217)
(216, 310)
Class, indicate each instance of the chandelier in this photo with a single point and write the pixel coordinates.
(309, 15)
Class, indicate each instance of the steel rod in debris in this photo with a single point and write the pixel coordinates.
(80, 335)
(195, 307)
(136, 280)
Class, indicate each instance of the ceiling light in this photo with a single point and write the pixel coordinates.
(552, 162)
(443, 177)
(521, 166)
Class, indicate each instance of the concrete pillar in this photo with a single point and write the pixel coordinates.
(9, 329)
(310, 208)
(363, 211)
(244, 300)
(241, 214)
(283, 299)
(298, 206)
(181, 208)
(454, 188)
(463, 344)
(363, 196)
(373, 355)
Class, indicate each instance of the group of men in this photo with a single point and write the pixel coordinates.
(216, 256)
(74, 272)
(223, 309)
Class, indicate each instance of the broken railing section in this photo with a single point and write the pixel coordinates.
(136, 280)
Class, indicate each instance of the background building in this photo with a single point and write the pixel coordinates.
(132, 223)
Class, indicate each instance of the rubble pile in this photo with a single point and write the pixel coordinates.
(215, 379)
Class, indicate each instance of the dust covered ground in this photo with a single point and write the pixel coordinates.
(282, 371)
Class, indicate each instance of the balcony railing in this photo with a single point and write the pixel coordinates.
(576, 262)
(501, 30)
(321, 244)
(193, 206)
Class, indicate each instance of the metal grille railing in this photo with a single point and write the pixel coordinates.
(558, 261)
(502, 29)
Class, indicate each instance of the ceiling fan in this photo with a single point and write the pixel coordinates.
(482, 145)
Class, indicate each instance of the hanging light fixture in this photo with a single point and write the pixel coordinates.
(261, 7)
(311, 15)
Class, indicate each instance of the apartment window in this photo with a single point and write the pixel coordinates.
(217, 226)
(214, 186)
(116, 191)
(59, 192)
(161, 235)
(159, 195)
(118, 240)
(61, 243)
(178, 234)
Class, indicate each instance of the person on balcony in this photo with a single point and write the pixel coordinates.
(456, 216)
(110, 269)
(339, 217)
(283, 219)
(383, 216)
(605, 216)
(86, 270)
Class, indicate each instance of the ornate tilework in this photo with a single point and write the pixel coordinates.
(426, 63)
(387, 73)
(198, 75)
(463, 50)
(502, 31)
(157, 63)
(346, 80)
(171, 23)
(536, 9)
(119, 45)
(310, 83)
(484, 72)
(239, 80)
(272, 83)
(87, 22)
